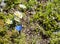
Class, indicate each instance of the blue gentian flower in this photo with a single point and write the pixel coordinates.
(18, 27)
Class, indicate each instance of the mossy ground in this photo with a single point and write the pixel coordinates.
(40, 22)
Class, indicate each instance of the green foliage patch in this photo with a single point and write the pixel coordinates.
(47, 16)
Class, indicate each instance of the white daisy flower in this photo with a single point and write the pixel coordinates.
(18, 14)
(17, 19)
(22, 6)
(8, 21)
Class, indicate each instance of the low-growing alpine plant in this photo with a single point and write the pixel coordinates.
(37, 20)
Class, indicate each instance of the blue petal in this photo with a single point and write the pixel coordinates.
(18, 27)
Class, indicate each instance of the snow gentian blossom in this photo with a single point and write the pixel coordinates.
(18, 27)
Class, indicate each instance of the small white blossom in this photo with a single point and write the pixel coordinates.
(3, 4)
(56, 32)
(18, 14)
(17, 19)
(1, 9)
(8, 21)
(53, 17)
(22, 6)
